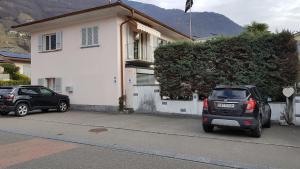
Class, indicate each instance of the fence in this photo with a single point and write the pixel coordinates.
(146, 99)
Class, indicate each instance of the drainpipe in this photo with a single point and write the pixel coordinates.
(122, 59)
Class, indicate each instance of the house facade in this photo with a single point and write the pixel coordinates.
(97, 55)
(297, 38)
(22, 61)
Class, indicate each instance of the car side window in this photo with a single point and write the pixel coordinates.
(254, 94)
(28, 91)
(257, 93)
(46, 92)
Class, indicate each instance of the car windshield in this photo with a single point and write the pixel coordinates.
(229, 93)
(5, 90)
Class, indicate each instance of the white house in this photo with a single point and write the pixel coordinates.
(96, 55)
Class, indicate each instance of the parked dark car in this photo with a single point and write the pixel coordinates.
(236, 106)
(22, 99)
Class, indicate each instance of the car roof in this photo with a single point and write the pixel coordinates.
(235, 86)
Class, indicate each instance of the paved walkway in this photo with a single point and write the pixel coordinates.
(177, 138)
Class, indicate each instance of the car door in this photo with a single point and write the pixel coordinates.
(49, 98)
(32, 95)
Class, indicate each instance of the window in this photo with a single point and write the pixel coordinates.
(46, 92)
(90, 37)
(50, 42)
(5, 90)
(29, 91)
(230, 93)
(54, 84)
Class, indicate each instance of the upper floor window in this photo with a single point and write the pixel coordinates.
(50, 42)
(90, 36)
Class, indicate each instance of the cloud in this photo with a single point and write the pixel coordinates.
(278, 14)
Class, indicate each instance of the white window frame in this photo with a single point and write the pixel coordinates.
(50, 44)
(94, 38)
(54, 84)
(42, 42)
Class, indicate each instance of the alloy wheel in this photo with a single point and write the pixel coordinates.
(63, 106)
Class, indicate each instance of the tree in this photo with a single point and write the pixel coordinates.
(256, 27)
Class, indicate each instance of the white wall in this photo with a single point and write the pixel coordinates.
(147, 100)
(92, 72)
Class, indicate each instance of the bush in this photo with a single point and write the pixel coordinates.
(17, 78)
(14, 82)
(269, 61)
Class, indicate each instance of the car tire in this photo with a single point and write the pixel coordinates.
(258, 129)
(208, 128)
(4, 113)
(22, 109)
(268, 124)
(63, 106)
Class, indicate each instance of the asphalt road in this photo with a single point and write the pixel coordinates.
(93, 140)
(80, 156)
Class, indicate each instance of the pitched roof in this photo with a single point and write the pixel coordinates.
(118, 3)
(15, 55)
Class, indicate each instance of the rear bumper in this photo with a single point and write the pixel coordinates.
(5, 108)
(230, 121)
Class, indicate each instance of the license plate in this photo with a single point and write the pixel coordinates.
(222, 105)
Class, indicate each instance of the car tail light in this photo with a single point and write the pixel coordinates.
(205, 104)
(9, 97)
(250, 106)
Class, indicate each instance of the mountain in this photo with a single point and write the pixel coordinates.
(14, 12)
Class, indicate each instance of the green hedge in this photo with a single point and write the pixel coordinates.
(269, 61)
(14, 82)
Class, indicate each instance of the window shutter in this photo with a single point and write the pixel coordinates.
(83, 35)
(58, 85)
(89, 36)
(96, 35)
(58, 40)
(40, 43)
(41, 82)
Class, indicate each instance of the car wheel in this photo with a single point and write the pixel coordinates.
(258, 129)
(63, 106)
(4, 113)
(22, 110)
(208, 128)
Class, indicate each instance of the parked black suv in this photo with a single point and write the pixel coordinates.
(236, 106)
(22, 99)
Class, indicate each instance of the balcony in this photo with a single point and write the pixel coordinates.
(140, 55)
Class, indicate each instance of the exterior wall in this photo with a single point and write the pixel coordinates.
(147, 100)
(92, 72)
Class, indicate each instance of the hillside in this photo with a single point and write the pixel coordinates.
(14, 12)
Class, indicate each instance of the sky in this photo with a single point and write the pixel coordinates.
(278, 14)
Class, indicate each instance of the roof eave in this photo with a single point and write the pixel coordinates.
(99, 8)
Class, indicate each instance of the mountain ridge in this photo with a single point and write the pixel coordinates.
(21, 11)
